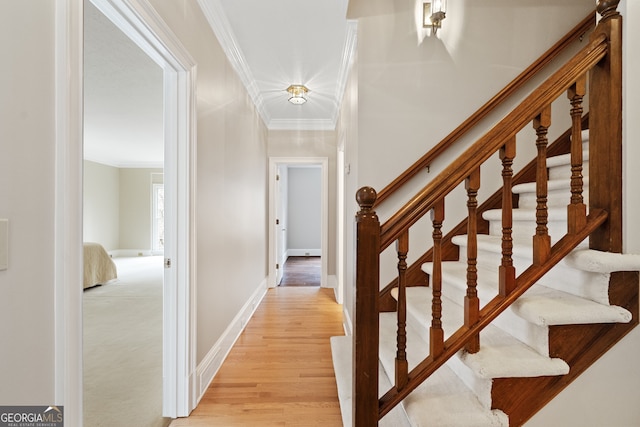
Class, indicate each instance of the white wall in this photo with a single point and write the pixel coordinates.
(413, 90)
(607, 393)
(231, 198)
(348, 139)
(27, 172)
(447, 79)
(117, 206)
(101, 214)
(304, 210)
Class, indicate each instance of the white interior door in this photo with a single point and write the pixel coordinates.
(281, 229)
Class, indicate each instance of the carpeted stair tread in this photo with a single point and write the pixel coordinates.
(545, 307)
(602, 262)
(565, 159)
(443, 399)
(341, 353)
(540, 305)
(555, 214)
(552, 185)
(501, 354)
(584, 273)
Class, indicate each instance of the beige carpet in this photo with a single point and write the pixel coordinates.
(123, 347)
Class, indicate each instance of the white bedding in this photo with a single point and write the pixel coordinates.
(99, 268)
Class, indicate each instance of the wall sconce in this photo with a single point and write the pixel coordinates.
(297, 93)
(434, 13)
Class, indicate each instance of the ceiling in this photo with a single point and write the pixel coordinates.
(305, 42)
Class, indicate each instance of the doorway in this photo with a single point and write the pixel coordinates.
(123, 162)
(279, 202)
(141, 24)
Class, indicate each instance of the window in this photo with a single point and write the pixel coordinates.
(158, 219)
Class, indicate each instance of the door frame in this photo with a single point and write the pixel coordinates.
(138, 20)
(323, 162)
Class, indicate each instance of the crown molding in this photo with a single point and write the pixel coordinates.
(214, 13)
(348, 56)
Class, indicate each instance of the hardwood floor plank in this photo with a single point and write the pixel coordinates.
(279, 372)
(301, 271)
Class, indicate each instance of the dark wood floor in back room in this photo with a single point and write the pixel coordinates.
(301, 271)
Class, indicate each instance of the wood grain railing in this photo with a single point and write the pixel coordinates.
(578, 32)
(601, 61)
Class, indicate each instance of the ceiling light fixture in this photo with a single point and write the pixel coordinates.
(297, 93)
(434, 13)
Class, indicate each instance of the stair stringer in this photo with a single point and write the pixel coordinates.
(578, 345)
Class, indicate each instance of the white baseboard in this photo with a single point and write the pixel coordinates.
(116, 253)
(346, 322)
(209, 366)
(304, 252)
(332, 282)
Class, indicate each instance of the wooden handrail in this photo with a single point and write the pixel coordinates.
(526, 174)
(491, 142)
(577, 32)
(601, 60)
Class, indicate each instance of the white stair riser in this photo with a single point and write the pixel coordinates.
(527, 229)
(534, 336)
(555, 198)
(560, 166)
(564, 171)
(585, 284)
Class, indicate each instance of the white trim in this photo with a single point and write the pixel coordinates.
(219, 23)
(217, 18)
(68, 209)
(126, 165)
(324, 214)
(210, 365)
(140, 22)
(346, 322)
(304, 252)
(127, 253)
(348, 56)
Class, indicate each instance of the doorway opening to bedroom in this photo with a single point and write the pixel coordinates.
(124, 146)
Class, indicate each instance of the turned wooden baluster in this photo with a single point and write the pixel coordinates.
(402, 367)
(577, 210)
(541, 240)
(471, 301)
(367, 329)
(507, 272)
(436, 331)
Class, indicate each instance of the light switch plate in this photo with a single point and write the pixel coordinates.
(4, 244)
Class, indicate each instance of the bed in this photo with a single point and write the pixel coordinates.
(99, 268)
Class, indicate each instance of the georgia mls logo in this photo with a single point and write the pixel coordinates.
(31, 416)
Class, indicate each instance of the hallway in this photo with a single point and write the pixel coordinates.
(279, 372)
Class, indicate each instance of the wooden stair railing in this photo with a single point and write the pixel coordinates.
(601, 60)
(516, 84)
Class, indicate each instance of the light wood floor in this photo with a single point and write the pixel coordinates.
(279, 373)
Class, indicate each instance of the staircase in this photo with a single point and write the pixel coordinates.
(501, 322)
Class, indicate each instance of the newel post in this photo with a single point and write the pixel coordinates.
(605, 131)
(366, 331)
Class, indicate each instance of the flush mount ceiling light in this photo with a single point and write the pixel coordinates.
(297, 93)
(434, 13)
